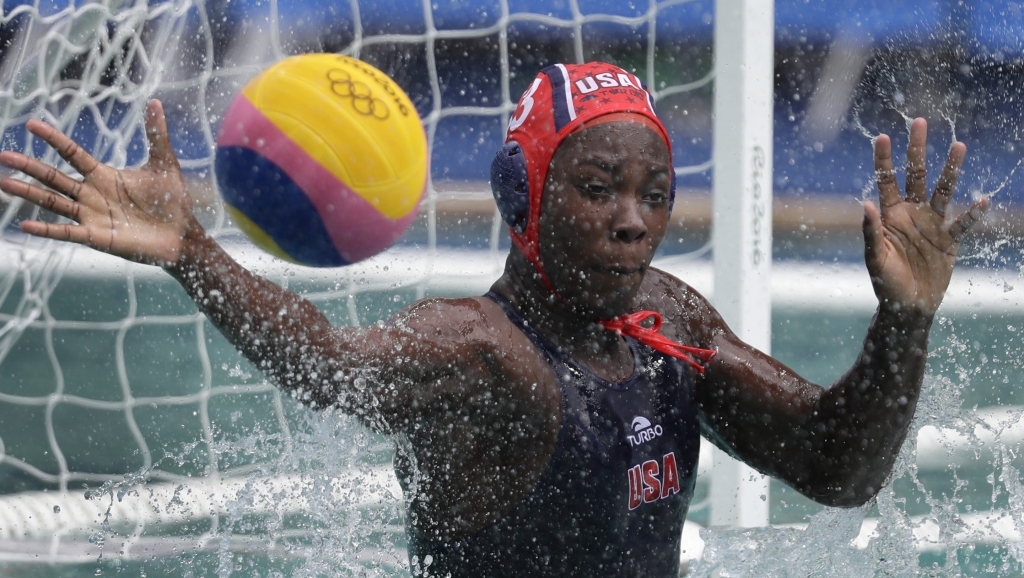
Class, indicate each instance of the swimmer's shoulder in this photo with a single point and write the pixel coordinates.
(480, 351)
(469, 320)
(689, 316)
(470, 329)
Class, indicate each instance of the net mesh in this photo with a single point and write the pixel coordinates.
(109, 377)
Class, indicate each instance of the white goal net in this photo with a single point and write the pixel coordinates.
(112, 382)
(135, 439)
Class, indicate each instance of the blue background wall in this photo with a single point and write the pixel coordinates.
(943, 59)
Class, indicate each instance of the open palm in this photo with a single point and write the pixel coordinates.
(911, 243)
(139, 214)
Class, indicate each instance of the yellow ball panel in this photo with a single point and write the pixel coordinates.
(299, 108)
(402, 196)
(379, 134)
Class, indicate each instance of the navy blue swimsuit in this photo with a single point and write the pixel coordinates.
(614, 496)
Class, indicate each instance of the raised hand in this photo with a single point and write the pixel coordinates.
(140, 214)
(911, 244)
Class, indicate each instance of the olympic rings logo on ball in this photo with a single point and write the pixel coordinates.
(359, 93)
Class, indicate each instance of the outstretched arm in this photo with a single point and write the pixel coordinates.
(145, 215)
(387, 375)
(838, 445)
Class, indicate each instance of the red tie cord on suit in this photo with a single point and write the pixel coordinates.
(629, 325)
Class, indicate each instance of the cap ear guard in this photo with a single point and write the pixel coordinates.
(510, 185)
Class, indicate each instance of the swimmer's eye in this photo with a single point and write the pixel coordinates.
(594, 189)
(656, 197)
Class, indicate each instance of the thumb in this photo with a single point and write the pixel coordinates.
(161, 153)
(874, 241)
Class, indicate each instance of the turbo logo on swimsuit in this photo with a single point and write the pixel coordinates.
(645, 432)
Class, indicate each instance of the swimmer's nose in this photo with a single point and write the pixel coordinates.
(629, 225)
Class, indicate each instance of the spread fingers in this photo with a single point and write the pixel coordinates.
(60, 232)
(42, 172)
(947, 180)
(916, 174)
(65, 147)
(48, 200)
(966, 221)
(885, 174)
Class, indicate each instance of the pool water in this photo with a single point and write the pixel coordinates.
(975, 361)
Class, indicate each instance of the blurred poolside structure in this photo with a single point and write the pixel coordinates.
(943, 59)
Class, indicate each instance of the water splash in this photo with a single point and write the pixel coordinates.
(892, 539)
(1002, 185)
(318, 506)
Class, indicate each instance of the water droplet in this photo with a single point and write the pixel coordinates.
(56, 509)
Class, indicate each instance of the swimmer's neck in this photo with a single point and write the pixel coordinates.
(573, 329)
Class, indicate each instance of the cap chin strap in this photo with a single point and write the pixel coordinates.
(629, 325)
(529, 248)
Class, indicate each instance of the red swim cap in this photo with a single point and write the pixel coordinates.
(561, 99)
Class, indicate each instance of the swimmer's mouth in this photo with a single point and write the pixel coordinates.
(619, 270)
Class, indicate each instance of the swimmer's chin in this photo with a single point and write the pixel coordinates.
(606, 303)
(617, 282)
(620, 271)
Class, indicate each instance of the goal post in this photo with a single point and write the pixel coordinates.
(742, 218)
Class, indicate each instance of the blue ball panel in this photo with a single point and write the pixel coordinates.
(272, 200)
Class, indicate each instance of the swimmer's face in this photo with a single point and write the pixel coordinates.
(604, 212)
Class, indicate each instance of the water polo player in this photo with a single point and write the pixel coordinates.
(552, 430)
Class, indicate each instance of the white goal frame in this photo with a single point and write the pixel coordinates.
(742, 217)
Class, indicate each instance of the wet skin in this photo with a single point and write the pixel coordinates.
(465, 393)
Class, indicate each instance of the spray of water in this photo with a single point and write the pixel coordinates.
(317, 506)
(943, 519)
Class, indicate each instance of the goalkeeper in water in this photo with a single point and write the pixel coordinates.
(551, 427)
